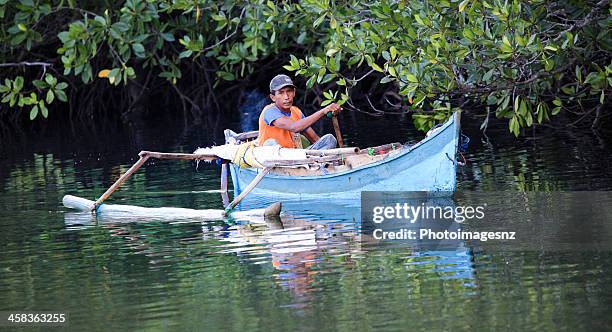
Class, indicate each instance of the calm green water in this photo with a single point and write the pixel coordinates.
(314, 274)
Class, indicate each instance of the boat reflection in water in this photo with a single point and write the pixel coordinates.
(313, 231)
(310, 238)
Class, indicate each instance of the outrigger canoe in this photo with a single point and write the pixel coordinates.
(429, 165)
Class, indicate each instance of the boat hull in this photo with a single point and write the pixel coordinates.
(427, 166)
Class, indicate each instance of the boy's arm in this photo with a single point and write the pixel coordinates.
(305, 123)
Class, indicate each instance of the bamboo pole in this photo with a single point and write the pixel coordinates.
(144, 156)
(330, 152)
(386, 148)
(248, 189)
(298, 162)
(224, 177)
(224, 169)
(179, 156)
(120, 181)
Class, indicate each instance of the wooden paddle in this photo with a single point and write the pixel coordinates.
(334, 117)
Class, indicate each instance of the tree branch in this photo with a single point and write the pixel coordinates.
(586, 20)
(25, 63)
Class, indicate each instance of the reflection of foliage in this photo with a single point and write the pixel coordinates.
(525, 60)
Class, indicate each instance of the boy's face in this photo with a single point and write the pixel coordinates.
(283, 98)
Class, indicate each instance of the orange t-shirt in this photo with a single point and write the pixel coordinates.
(284, 137)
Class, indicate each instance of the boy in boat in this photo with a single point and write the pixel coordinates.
(281, 123)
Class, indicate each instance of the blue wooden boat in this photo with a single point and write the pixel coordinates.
(429, 165)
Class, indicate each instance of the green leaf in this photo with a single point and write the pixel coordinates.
(376, 67)
(18, 83)
(353, 60)
(18, 38)
(419, 19)
(22, 27)
(523, 108)
(549, 65)
(61, 85)
(33, 112)
(517, 101)
(44, 111)
(50, 97)
(301, 38)
(100, 20)
(392, 71)
(322, 71)
(412, 78)
(419, 99)
(487, 76)
(121, 26)
(506, 41)
(557, 102)
(568, 89)
(318, 21)
(311, 81)
(393, 52)
(114, 77)
(185, 54)
(467, 33)
(551, 48)
(40, 84)
(591, 78)
(331, 52)
(61, 95)
(226, 75)
(463, 4)
(168, 36)
(579, 74)
(50, 80)
(514, 126)
(505, 48)
(138, 49)
(528, 119)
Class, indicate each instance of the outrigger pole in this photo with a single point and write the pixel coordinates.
(144, 156)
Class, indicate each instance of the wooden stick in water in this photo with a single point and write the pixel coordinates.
(248, 189)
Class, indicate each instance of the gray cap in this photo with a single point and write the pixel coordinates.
(279, 82)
